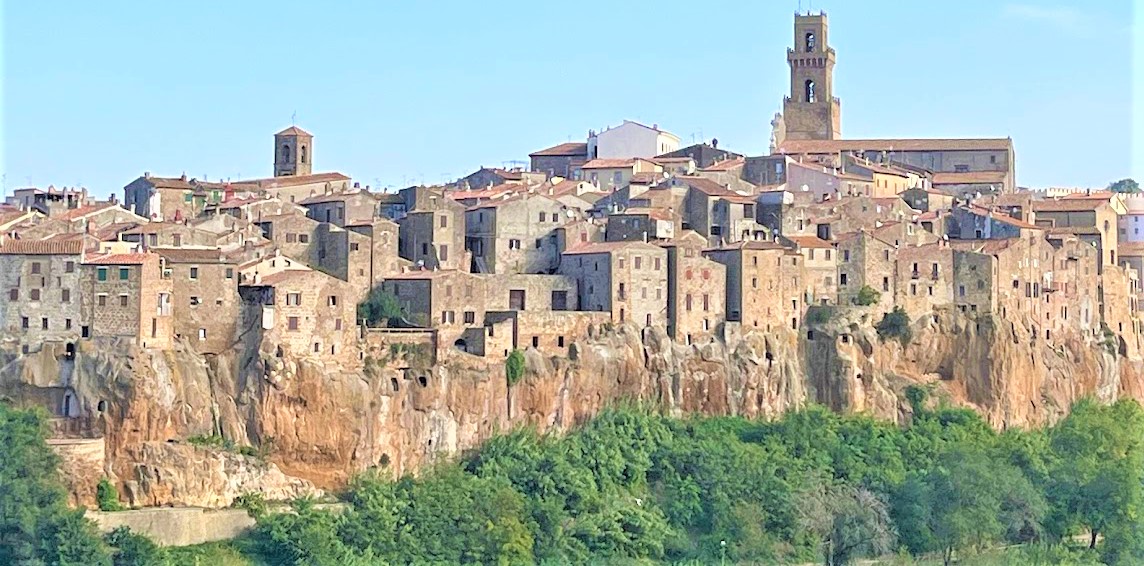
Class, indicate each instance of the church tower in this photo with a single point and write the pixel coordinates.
(293, 152)
(811, 112)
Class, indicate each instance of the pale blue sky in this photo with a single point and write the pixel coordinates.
(398, 93)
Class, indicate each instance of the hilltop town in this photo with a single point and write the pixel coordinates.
(627, 229)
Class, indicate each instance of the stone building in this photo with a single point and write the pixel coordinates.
(627, 279)
(42, 284)
(432, 233)
(515, 234)
(1095, 219)
(764, 284)
(811, 111)
(492, 176)
(926, 200)
(168, 234)
(530, 292)
(447, 300)
(342, 209)
(733, 219)
(820, 262)
(640, 224)
(204, 295)
(126, 296)
(696, 290)
(175, 199)
(924, 278)
(560, 160)
(975, 223)
(302, 312)
(613, 174)
(866, 260)
(630, 140)
(294, 188)
(293, 152)
(704, 155)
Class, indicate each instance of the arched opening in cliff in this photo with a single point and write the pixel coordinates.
(393, 383)
(101, 406)
(422, 381)
(69, 351)
(461, 345)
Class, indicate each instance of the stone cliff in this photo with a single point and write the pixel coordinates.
(294, 427)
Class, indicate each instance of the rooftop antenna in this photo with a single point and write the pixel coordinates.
(293, 118)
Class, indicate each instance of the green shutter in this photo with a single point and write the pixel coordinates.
(124, 273)
(101, 273)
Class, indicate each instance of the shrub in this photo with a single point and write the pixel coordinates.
(514, 367)
(818, 315)
(106, 496)
(378, 307)
(896, 324)
(254, 503)
(133, 549)
(867, 296)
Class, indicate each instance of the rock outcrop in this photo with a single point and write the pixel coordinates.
(310, 426)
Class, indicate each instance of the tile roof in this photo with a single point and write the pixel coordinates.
(1001, 217)
(655, 213)
(294, 131)
(609, 163)
(423, 274)
(726, 165)
(1131, 249)
(334, 197)
(707, 186)
(757, 245)
(1069, 204)
(646, 178)
(605, 247)
(42, 247)
(154, 227)
(571, 149)
(190, 255)
(934, 144)
(810, 242)
(84, 211)
(1105, 195)
(969, 178)
(295, 180)
(119, 259)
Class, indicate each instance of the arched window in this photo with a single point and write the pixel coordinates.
(303, 154)
(810, 90)
(810, 42)
(285, 152)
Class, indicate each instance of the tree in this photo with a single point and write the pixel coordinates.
(1125, 186)
(380, 306)
(867, 296)
(846, 521)
(36, 527)
(514, 367)
(106, 496)
(133, 549)
(896, 324)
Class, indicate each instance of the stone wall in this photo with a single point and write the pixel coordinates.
(177, 526)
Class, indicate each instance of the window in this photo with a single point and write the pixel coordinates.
(470, 317)
(809, 41)
(843, 279)
(292, 323)
(886, 255)
(67, 324)
(555, 217)
(617, 178)
(514, 244)
(539, 241)
(810, 95)
(65, 296)
(194, 273)
(303, 238)
(178, 239)
(24, 322)
(656, 264)
(230, 273)
(639, 262)
(444, 222)
(993, 159)
(35, 294)
(913, 288)
(444, 252)
(332, 300)
(621, 292)
(101, 274)
(354, 247)
(706, 302)
(285, 152)
(302, 153)
(44, 323)
(291, 238)
(960, 168)
(124, 273)
(101, 299)
(13, 294)
(69, 267)
(35, 267)
(122, 300)
(424, 249)
(961, 290)
(293, 299)
(827, 252)
(202, 334)
(754, 282)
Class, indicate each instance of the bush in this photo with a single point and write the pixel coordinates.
(818, 314)
(132, 549)
(514, 367)
(896, 324)
(378, 307)
(106, 496)
(254, 503)
(867, 296)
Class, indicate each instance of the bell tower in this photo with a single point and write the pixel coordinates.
(293, 152)
(811, 112)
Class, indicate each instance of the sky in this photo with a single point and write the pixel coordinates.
(400, 93)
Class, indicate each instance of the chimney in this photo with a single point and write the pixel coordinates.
(183, 177)
(146, 174)
(714, 143)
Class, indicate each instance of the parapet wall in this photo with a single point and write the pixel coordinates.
(175, 526)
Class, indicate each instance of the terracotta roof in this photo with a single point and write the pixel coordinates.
(608, 164)
(571, 149)
(83, 211)
(153, 227)
(604, 247)
(189, 255)
(119, 259)
(334, 197)
(935, 144)
(1104, 195)
(749, 245)
(423, 274)
(810, 242)
(884, 169)
(726, 165)
(646, 178)
(42, 247)
(707, 186)
(969, 178)
(1069, 204)
(491, 192)
(1131, 249)
(294, 131)
(655, 213)
(738, 198)
(276, 278)
(295, 180)
(111, 231)
(1002, 217)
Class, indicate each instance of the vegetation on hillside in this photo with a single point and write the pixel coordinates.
(634, 486)
(1129, 186)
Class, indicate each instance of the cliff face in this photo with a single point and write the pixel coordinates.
(313, 426)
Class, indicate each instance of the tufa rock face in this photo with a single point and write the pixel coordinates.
(318, 425)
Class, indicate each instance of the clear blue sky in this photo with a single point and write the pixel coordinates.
(96, 92)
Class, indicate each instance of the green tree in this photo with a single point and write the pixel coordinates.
(867, 296)
(895, 324)
(379, 307)
(1097, 475)
(36, 527)
(514, 367)
(133, 549)
(305, 537)
(106, 496)
(1124, 186)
